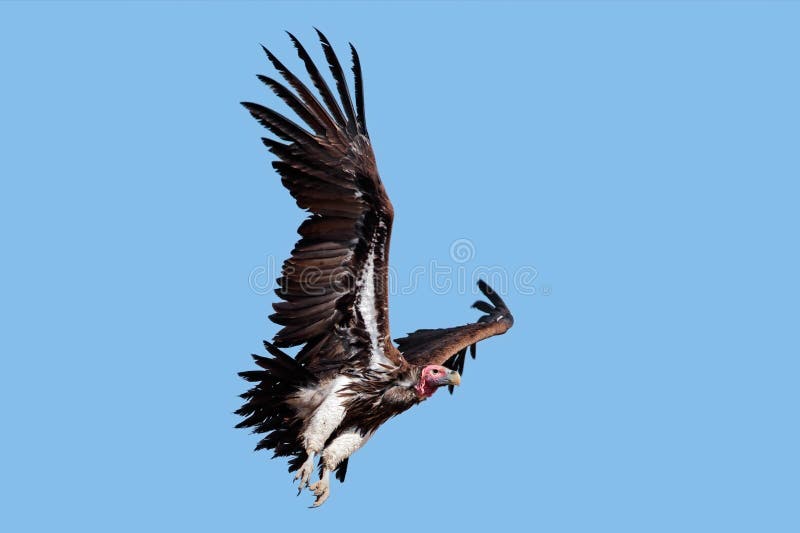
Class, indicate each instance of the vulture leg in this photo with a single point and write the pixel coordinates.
(321, 425)
(342, 447)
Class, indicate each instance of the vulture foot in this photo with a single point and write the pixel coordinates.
(304, 474)
(321, 488)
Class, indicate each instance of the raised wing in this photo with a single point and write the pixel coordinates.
(448, 346)
(334, 286)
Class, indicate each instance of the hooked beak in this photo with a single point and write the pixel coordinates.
(453, 378)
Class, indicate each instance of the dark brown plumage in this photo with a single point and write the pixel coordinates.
(347, 378)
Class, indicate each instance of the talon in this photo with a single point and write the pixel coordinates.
(304, 474)
(320, 500)
(321, 488)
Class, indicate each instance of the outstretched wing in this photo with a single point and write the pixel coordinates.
(334, 286)
(448, 346)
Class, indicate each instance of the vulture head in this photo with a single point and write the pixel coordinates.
(434, 376)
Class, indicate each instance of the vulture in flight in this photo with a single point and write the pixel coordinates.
(348, 377)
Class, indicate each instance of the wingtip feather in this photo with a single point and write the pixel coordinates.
(359, 88)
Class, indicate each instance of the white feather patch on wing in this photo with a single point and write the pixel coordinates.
(368, 310)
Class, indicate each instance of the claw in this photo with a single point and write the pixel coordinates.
(321, 489)
(304, 474)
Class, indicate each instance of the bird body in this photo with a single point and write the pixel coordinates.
(348, 377)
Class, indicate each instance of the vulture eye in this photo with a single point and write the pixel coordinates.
(435, 371)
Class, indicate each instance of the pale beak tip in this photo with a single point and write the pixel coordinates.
(454, 378)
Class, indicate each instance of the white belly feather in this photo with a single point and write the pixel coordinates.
(327, 416)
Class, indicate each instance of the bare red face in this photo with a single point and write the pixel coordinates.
(433, 377)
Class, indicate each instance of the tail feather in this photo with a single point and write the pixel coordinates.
(265, 410)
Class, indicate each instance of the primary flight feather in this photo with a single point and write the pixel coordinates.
(348, 377)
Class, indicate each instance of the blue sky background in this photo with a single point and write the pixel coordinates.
(642, 157)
